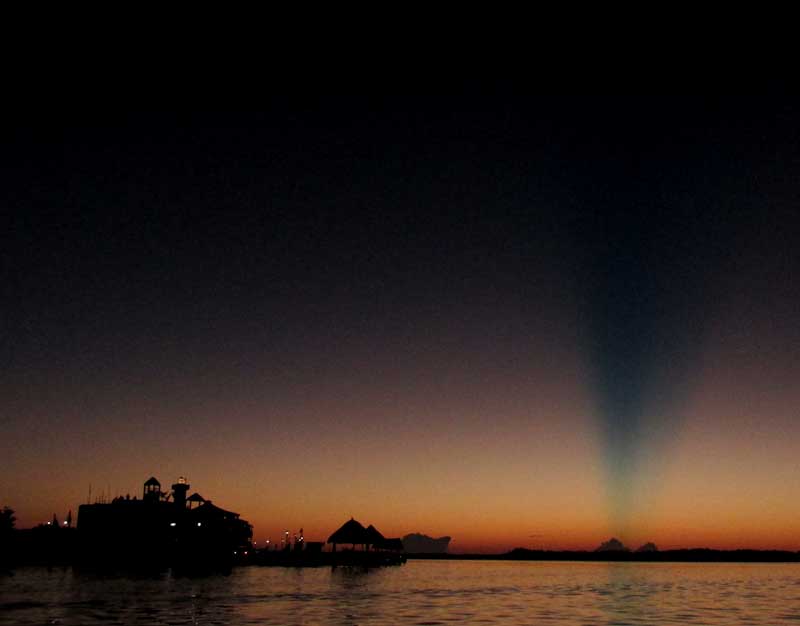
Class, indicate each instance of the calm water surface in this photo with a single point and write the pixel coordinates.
(420, 592)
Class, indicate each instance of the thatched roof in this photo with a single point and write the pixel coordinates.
(152, 481)
(195, 497)
(373, 536)
(350, 532)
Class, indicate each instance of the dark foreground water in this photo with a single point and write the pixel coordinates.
(421, 592)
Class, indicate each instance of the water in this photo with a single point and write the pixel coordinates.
(420, 592)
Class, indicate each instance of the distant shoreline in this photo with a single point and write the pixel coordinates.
(692, 555)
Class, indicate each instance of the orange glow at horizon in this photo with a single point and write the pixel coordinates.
(496, 455)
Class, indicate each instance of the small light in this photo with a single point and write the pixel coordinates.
(172, 524)
(65, 523)
(235, 553)
(199, 523)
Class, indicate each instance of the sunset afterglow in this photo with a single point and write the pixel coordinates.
(532, 326)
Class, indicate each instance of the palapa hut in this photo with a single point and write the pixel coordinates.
(374, 538)
(350, 532)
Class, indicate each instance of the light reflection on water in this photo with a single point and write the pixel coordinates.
(420, 592)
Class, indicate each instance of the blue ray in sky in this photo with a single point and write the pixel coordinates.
(645, 279)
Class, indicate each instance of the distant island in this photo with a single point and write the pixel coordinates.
(687, 555)
(417, 543)
(614, 550)
(682, 555)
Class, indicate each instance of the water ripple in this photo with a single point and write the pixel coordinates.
(424, 593)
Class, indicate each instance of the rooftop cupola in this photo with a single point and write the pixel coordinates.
(152, 490)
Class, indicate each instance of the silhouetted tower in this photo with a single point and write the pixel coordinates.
(179, 490)
(152, 490)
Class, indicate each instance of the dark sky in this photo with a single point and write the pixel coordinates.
(451, 249)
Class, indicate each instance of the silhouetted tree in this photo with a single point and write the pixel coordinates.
(7, 549)
(7, 520)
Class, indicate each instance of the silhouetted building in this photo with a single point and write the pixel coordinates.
(195, 499)
(152, 490)
(374, 537)
(353, 533)
(160, 529)
(179, 490)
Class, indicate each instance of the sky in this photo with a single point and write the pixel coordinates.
(514, 320)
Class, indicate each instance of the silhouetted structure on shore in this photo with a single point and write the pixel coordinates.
(48, 543)
(369, 548)
(7, 536)
(353, 532)
(161, 529)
